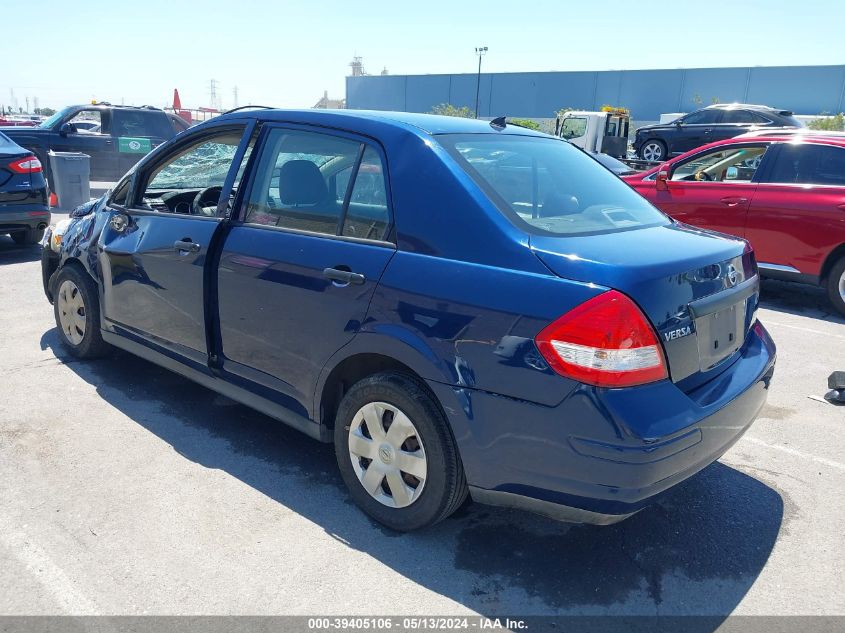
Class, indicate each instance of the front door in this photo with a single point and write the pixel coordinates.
(713, 189)
(299, 267)
(694, 130)
(153, 251)
(93, 137)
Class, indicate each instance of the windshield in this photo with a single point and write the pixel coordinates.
(55, 118)
(549, 187)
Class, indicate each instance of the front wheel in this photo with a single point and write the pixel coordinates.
(836, 286)
(396, 453)
(653, 150)
(77, 312)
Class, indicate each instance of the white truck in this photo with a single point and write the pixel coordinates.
(604, 132)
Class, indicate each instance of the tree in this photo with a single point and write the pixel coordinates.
(828, 123)
(447, 109)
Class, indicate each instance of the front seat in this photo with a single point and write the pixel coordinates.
(301, 184)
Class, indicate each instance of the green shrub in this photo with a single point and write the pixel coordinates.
(833, 123)
(447, 109)
(531, 125)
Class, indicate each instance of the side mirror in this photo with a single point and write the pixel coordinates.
(679, 122)
(662, 180)
(732, 173)
(67, 128)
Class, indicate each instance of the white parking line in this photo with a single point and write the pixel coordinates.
(792, 451)
(48, 573)
(803, 329)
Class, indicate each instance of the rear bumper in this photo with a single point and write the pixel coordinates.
(604, 454)
(18, 217)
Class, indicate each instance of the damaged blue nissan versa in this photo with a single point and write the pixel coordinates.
(461, 307)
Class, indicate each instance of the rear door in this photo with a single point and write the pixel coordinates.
(137, 132)
(301, 262)
(153, 250)
(797, 215)
(713, 189)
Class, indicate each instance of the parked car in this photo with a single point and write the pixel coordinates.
(24, 207)
(125, 134)
(783, 192)
(713, 123)
(458, 306)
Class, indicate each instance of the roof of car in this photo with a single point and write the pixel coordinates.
(353, 119)
(743, 106)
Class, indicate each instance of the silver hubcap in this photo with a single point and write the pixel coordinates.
(387, 454)
(71, 312)
(842, 286)
(652, 151)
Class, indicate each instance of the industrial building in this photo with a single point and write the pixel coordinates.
(646, 93)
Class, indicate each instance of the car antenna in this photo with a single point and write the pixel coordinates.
(249, 107)
(499, 122)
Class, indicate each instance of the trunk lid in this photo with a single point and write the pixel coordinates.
(699, 289)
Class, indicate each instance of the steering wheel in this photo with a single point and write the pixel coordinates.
(204, 196)
(703, 175)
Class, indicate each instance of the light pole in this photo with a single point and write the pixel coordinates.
(480, 51)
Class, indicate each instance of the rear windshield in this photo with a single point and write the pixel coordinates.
(549, 187)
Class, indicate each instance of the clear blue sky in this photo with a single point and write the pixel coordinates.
(286, 53)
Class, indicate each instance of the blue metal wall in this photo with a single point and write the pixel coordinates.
(647, 93)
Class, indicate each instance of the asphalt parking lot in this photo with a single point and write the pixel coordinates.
(126, 489)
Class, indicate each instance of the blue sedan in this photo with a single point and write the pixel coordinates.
(461, 307)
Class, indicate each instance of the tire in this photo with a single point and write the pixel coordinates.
(400, 500)
(27, 237)
(77, 310)
(836, 286)
(653, 149)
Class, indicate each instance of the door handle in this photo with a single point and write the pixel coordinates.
(733, 201)
(186, 246)
(841, 207)
(707, 130)
(344, 276)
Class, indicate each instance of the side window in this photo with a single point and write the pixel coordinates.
(573, 127)
(809, 164)
(173, 185)
(140, 123)
(368, 216)
(88, 122)
(729, 164)
(702, 117)
(120, 192)
(291, 185)
(741, 116)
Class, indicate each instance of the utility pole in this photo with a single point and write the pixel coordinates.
(480, 51)
(212, 93)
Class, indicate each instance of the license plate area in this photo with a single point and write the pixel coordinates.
(720, 334)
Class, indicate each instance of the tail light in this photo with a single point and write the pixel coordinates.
(749, 261)
(26, 165)
(606, 341)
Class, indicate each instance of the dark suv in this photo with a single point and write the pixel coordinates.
(115, 137)
(713, 123)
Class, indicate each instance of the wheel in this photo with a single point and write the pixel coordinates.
(653, 150)
(28, 237)
(836, 285)
(77, 311)
(396, 453)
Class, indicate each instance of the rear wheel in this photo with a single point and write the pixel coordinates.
(396, 453)
(653, 150)
(28, 237)
(77, 312)
(836, 285)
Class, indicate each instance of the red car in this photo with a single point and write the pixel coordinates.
(784, 193)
